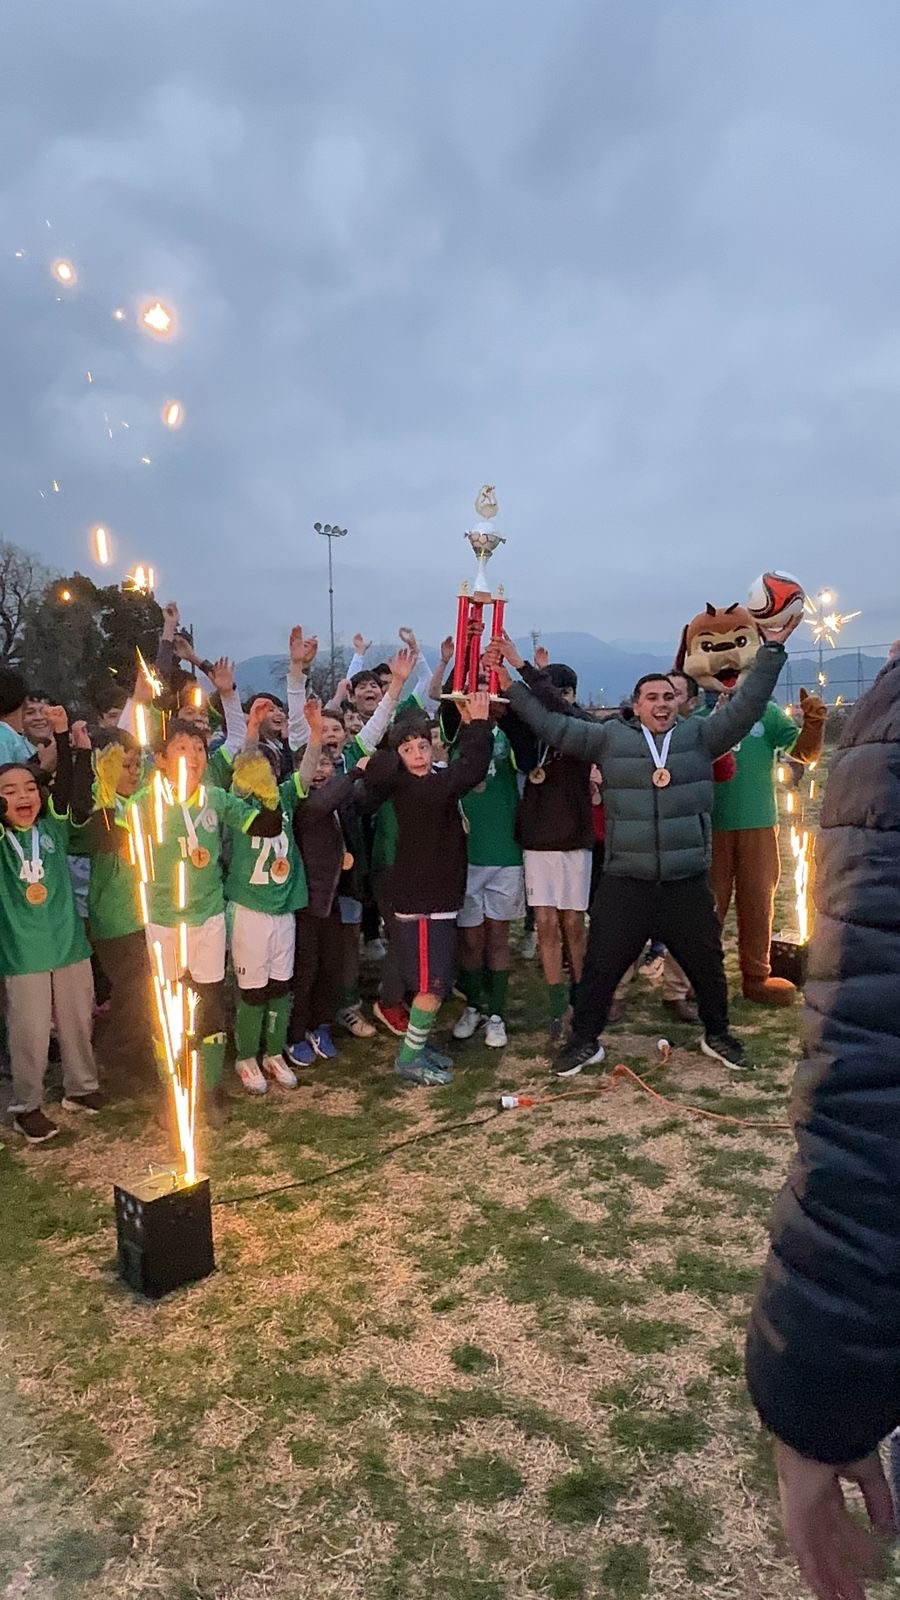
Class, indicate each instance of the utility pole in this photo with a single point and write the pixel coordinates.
(331, 531)
(535, 636)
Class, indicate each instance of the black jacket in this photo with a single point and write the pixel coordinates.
(555, 814)
(823, 1348)
(320, 834)
(429, 872)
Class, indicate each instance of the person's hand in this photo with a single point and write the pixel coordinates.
(341, 693)
(223, 675)
(781, 634)
(479, 706)
(361, 764)
(542, 658)
(58, 718)
(504, 679)
(361, 644)
(80, 739)
(448, 649)
(297, 647)
(723, 699)
(47, 755)
(171, 619)
(401, 666)
(256, 716)
(835, 1555)
(409, 639)
(508, 651)
(314, 720)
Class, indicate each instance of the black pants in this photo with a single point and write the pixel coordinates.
(625, 913)
(126, 1040)
(318, 972)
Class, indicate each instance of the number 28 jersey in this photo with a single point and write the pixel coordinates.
(268, 874)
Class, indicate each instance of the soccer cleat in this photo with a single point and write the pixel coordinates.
(276, 1067)
(35, 1127)
(495, 1033)
(301, 1054)
(394, 1018)
(726, 1048)
(422, 1071)
(251, 1077)
(575, 1056)
(528, 946)
(469, 1023)
(91, 1103)
(321, 1041)
(437, 1058)
(353, 1020)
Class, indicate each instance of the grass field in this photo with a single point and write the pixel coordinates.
(503, 1361)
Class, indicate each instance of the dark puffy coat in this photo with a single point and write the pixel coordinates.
(823, 1349)
(658, 835)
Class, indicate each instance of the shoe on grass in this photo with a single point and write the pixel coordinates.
(35, 1127)
(301, 1054)
(726, 1048)
(422, 1071)
(528, 946)
(251, 1077)
(351, 1018)
(91, 1103)
(468, 1024)
(437, 1058)
(495, 1033)
(322, 1042)
(394, 1018)
(276, 1067)
(682, 1010)
(575, 1056)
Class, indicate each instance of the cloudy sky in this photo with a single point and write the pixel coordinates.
(634, 262)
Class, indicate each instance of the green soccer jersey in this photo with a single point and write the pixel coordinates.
(748, 799)
(268, 874)
(219, 769)
(38, 934)
(114, 907)
(186, 885)
(491, 810)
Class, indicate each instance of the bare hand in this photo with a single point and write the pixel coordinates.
(361, 644)
(310, 646)
(183, 648)
(448, 649)
(297, 646)
(782, 634)
(341, 693)
(509, 652)
(542, 658)
(314, 720)
(58, 718)
(80, 738)
(479, 706)
(223, 675)
(401, 666)
(504, 680)
(835, 1555)
(361, 764)
(409, 639)
(256, 716)
(172, 613)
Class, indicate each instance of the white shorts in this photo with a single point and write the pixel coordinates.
(558, 878)
(204, 957)
(494, 892)
(262, 946)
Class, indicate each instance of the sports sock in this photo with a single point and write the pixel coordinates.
(212, 1059)
(248, 1024)
(471, 981)
(559, 998)
(497, 988)
(278, 1015)
(420, 1023)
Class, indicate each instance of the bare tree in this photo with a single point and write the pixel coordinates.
(23, 579)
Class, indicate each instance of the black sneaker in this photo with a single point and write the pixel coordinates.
(575, 1056)
(726, 1048)
(93, 1103)
(35, 1127)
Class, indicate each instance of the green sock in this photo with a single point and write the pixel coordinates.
(559, 999)
(417, 1032)
(159, 1056)
(212, 1059)
(497, 987)
(248, 1025)
(471, 981)
(278, 1016)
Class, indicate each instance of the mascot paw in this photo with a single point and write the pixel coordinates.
(770, 992)
(108, 764)
(254, 778)
(812, 707)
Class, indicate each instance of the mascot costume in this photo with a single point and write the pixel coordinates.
(717, 647)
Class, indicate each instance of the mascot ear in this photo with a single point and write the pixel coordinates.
(710, 609)
(735, 607)
(682, 651)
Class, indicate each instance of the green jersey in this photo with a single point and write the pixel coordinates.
(186, 885)
(748, 799)
(268, 874)
(219, 769)
(38, 934)
(492, 809)
(114, 906)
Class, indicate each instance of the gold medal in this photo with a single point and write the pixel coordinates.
(347, 861)
(200, 857)
(537, 775)
(280, 868)
(35, 894)
(662, 777)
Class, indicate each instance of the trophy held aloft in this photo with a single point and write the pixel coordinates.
(471, 604)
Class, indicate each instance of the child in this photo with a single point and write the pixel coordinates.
(429, 872)
(14, 747)
(44, 954)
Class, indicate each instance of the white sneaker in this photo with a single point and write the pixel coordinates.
(469, 1023)
(353, 1020)
(276, 1067)
(528, 946)
(495, 1033)
(251, 1077)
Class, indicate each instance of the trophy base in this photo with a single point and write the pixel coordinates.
(463, 694)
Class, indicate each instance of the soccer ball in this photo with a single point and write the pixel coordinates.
(775, 598)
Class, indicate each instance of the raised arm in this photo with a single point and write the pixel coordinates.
(165, 654)
(302, 655)
(307, 768)
(746, 706)
(222, 675)
(474, 748)
(372, 732)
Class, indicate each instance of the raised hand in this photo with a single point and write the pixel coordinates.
(401, 666)
(183, 648)
(58, 718)
(80, 739)
(504, 678)
(171, 619)
(448, 649)
(409, 639)
(542, 658)
(479, 706)
(783, 633)
(223, 675)
(361, 644)
(256, 716)
(302, 650)
(509, 652)
(314, 720)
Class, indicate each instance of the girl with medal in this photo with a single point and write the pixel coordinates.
(44, 953)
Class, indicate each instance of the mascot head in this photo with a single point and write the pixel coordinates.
(717, 647)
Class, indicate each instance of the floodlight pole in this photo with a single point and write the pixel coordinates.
(331, 531)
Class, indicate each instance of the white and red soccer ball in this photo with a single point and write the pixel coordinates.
(775, 598)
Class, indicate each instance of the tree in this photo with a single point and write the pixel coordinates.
(22, 579)
(77, 637)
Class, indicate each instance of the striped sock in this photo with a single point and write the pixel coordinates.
(416, 1034)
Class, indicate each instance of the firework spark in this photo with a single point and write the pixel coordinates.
(173, 414)
(119, 314)
(158, 319)
(824, 619)
(100, 542)
(64, 272)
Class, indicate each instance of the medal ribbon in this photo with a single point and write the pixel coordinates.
(660, 757)
(30, 871)
(191, 830)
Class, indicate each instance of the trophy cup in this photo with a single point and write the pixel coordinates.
(471, 604)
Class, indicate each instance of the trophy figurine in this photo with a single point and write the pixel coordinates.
(471, 604)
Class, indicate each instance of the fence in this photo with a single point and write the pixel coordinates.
(839, 675)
